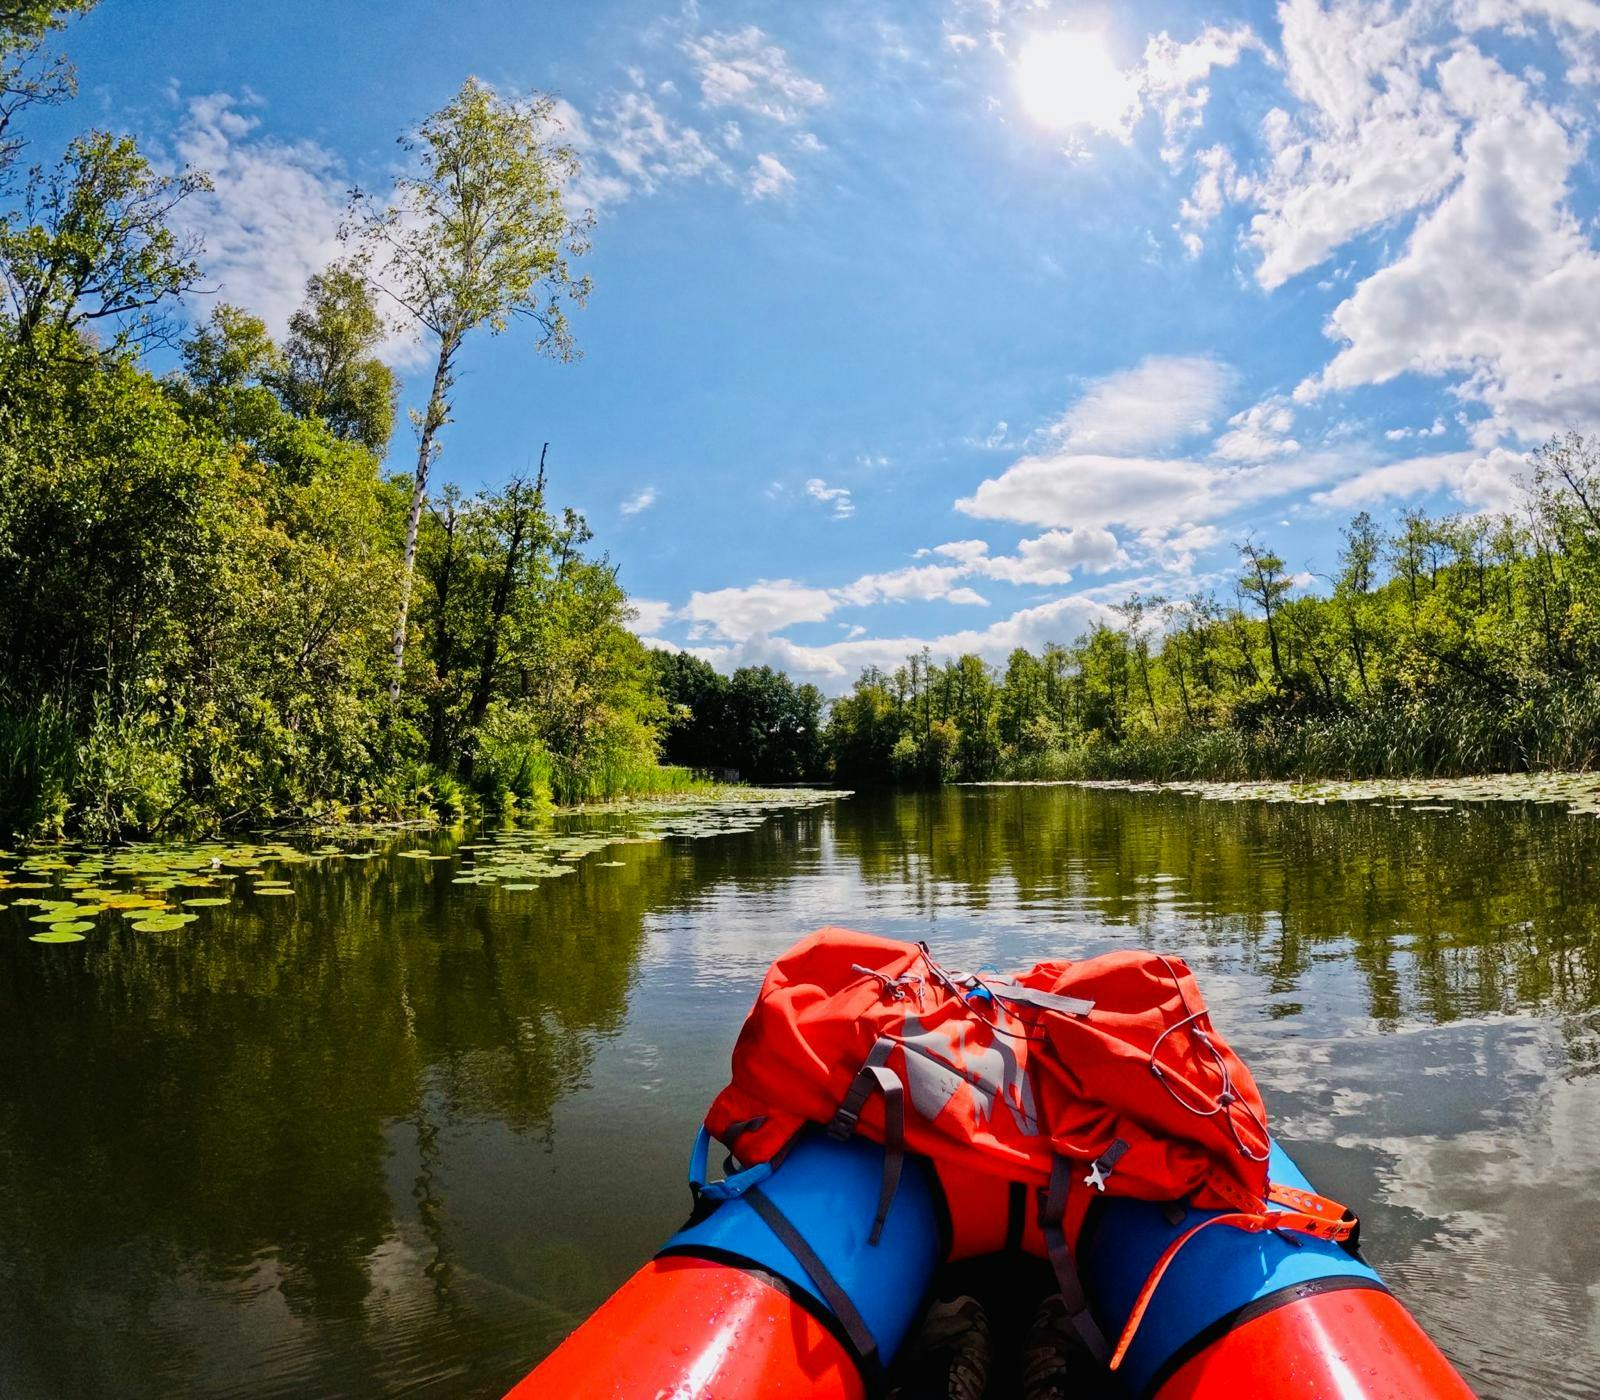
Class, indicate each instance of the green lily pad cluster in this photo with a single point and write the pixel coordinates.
(68, 889)
(1579, 793)
(519, 859)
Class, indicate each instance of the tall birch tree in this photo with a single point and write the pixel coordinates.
(477, 234)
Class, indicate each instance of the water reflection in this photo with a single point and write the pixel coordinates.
(398, 1134)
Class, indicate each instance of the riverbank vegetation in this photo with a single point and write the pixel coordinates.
(1449, 645)
(218, 610)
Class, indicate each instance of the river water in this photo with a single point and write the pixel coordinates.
(397, 1135)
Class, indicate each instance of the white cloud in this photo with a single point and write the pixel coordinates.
(834, 665)
(1258, 433)
(650, 615)
(1499, 284)
(1174, 75)
(769, 176)
(916, 582)
(766, 606)
(1078, 488)
(969, 596)
(1213, 187)
(838, 496)
(740, 68)
(273, 217)
(641, 500)
(645, 148)
(1048, 558)
(1160, 401)
(1370, 141)
(1489, 481)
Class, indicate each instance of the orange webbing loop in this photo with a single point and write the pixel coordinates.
(1309, 1214)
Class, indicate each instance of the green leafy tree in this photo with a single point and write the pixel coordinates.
(90, 248)
(330, 369)
(476, 236)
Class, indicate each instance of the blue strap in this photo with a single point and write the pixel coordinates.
(729, 1187)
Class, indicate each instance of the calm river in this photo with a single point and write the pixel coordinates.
(395, 1134)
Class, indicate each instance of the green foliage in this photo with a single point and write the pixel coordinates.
(477, 236)
(89, 245)
(201, 572)
(757, 723)
(1478, 651)
(330, 371)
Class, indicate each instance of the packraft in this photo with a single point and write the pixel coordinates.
(1069, 1079)
(887, 1113)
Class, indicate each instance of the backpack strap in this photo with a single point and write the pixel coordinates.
(875, 1074)
(1307, 1214)
(1066, 1272)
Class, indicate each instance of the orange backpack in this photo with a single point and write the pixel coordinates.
(1070, 1078)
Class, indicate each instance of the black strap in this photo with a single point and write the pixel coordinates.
(875, 1074)
(1066, 1272)
(855, 1327)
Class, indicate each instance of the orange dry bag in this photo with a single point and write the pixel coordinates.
(1100, 1076)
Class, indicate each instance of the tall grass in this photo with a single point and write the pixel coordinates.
(629, 776)
(38, 765)
(1552, 728)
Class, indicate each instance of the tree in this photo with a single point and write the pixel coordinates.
(330, 371)
(27, 74)
(477, 236)
(90, 244)
(1265, 583)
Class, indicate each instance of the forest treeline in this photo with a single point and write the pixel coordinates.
(215, 608)
(1451, 644)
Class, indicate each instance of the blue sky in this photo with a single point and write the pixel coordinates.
(951, 321)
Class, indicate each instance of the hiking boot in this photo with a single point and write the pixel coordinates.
(1056, 1365)
(950, 1356)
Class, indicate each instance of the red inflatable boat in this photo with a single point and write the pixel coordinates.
(805, 1269)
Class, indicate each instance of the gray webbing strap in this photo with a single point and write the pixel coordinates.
(1066, 1272)
(1032, 996)
(875, 1074)
(855, 1326)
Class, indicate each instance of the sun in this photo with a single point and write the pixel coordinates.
(1070, 79)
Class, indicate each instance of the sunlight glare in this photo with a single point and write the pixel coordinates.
(1070, 79)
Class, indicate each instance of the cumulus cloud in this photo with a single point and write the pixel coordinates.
(834, 665)
(742, 68)
(1258, 433)
(1368, 141)
(1216, 183)
(1174, 77)
(641, 500)
(273, 217)
(1490, 481)
(1160, 401)
(836, 496)
(1499, 284)
(650, 615)
(769, 605)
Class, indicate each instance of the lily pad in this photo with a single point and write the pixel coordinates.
(55, 936)
(208, 902)
(164, 923)
(72, 926)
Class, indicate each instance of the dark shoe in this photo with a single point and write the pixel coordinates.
(950, 1356)
(1056, 1365)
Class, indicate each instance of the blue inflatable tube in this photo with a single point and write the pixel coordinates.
(1216, 1275)
(827, 1191)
